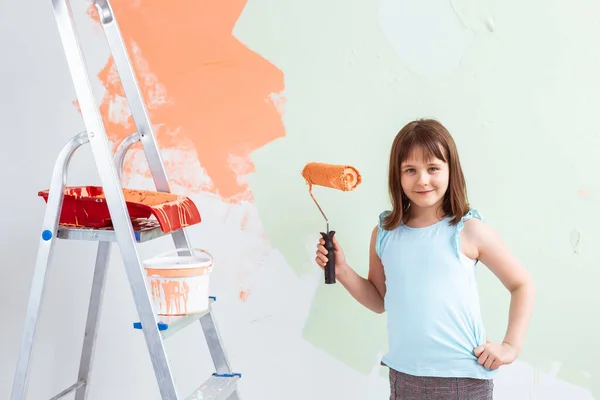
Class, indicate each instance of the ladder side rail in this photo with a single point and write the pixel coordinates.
(88, 347)
(114, 198)
(138, 109)
(122, 152)
(215, 343)
(217, 348)
(43, 259)
(133, 94)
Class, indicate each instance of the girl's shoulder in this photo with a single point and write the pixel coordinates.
(472, 214)
(466, 231)
(477, 231)
(380, 233)
(471, 220)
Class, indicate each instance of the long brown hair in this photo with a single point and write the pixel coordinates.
(435, 141)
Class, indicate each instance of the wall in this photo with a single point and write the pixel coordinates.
(242, 95)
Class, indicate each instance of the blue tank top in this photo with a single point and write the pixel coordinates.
(431, 301)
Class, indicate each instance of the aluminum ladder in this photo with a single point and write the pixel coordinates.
(223, 384)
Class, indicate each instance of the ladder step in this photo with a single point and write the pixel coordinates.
(144, 230)
(217, 387)
(171, 325)
(68, 390)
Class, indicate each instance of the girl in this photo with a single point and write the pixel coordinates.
(422, 260)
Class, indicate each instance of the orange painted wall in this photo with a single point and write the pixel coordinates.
(203, 87)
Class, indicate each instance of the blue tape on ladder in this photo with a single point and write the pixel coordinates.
(161, 326)
(214, 298)
(228, 375)
(47, 235)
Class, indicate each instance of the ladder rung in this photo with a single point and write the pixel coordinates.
(171, 325)
(68, 390)
(217, 387)
(143, 230)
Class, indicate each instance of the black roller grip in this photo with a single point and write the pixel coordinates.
(330, 266)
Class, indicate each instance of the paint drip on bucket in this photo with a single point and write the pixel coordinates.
(179, 285)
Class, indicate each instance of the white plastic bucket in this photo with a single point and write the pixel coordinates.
(179, 285)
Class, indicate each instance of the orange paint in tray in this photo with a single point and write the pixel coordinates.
(85, 206)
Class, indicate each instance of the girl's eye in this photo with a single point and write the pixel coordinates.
(432, 169)
(410, 170)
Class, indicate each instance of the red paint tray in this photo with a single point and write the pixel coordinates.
(85, 206)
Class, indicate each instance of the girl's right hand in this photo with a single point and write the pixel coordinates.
(340, 258)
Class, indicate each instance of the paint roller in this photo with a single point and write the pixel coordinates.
(341, 177)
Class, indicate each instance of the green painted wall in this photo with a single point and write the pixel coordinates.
(520, 101)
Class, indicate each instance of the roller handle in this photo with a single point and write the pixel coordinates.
(330, 266)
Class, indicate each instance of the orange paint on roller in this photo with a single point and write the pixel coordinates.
(341, 177)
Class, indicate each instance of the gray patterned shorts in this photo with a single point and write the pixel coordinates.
(408, 387)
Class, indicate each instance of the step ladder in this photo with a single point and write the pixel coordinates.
(223, 383)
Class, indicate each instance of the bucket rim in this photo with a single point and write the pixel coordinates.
(162, 273)
(161, 262)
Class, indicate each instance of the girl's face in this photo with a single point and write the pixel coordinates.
(424, 181)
